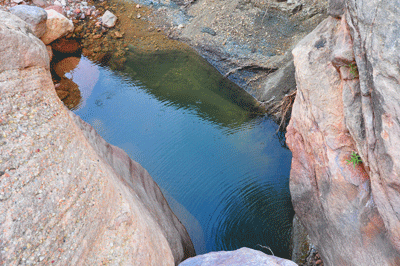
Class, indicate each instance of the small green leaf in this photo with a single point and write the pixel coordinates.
(355, 159)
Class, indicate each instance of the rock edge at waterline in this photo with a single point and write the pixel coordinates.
(61, 202)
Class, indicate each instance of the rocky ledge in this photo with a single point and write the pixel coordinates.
(249, 41)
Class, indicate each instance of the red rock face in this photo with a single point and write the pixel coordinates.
(334, 199)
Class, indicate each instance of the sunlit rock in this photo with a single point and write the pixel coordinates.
(57, 26)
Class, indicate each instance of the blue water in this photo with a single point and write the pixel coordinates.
(217, 159)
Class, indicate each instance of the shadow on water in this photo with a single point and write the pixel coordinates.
(188, 81)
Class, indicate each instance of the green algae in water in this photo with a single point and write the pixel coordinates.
(187, 80)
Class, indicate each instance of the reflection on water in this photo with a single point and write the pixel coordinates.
(75, 78)
(204, 141)
(186, 80)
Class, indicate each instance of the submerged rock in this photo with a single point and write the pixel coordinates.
(64, 45)
(109, 19)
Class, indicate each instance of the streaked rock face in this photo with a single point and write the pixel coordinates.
(66, 196)
(375, 28)
(349, 102)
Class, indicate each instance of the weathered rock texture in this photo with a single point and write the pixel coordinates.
(66, 196)
(57, 26)
(375, 27)
(34, 16)
(240, 257)
(351, 213)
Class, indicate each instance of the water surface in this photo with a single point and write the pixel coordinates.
(217, 159)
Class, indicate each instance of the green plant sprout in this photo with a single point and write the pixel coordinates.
(353, 70)
(355, 159)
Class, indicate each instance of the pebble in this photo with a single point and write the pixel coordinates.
(209, 31)
(117, 34)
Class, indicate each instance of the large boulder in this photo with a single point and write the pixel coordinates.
(350, 211)
(35, 16)
(57, 26)
(23, 39)
(240, 257)
(66, 196)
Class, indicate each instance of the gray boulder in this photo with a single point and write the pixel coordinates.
(20, 41)
(35, 16)
(240, 257)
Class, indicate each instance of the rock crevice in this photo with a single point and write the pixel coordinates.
(348, 101)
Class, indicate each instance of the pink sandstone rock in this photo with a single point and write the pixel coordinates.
(35, 53)
(49, 51)
(40, 3)
(57, 8)
(375, 34)
(66, 196)
(57, 26)
(349, 212)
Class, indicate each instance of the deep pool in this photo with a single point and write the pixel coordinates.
(218, 160)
